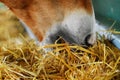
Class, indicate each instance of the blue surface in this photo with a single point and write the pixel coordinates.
(108, 8)
(107, 12)
(116, 43)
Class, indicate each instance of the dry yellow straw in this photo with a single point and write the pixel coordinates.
(64, 62)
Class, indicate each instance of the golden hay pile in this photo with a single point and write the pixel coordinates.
(27, 61)
(9, 25)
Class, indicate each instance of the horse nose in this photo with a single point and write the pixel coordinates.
(67, 36)
(90, 39)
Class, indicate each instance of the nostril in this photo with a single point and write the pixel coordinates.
(87, 40)
(60, 39)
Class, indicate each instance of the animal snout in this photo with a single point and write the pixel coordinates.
(67, 36)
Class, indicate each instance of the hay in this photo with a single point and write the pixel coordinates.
(9, 25)
(27, 61)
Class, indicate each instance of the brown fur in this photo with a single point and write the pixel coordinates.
(39, 15)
